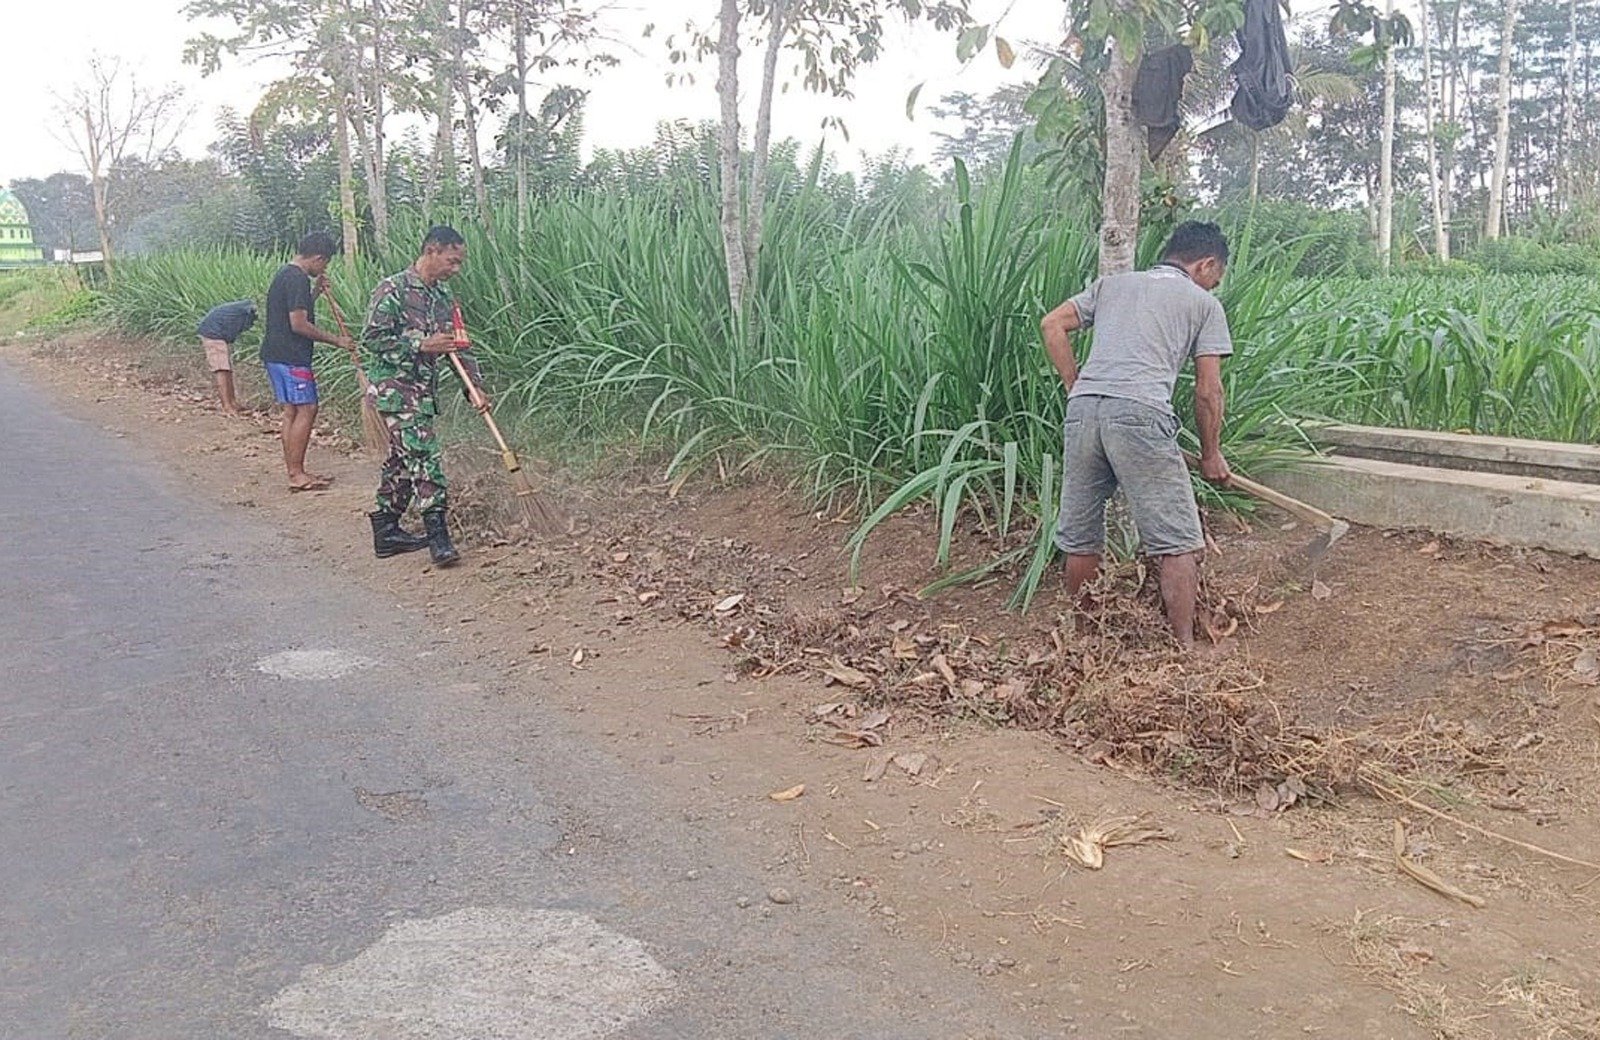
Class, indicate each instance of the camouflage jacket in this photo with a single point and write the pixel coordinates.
(406, 310)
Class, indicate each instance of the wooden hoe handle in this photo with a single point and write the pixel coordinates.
(1293, 506)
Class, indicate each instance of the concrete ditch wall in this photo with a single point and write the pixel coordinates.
(1535, 494)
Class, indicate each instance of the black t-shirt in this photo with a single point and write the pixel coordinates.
(290, 291)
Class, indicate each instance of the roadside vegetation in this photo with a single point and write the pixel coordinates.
(892, 354)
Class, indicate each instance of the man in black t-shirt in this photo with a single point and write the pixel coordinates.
(286, 344)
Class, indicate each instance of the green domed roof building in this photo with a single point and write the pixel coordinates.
(16, 234)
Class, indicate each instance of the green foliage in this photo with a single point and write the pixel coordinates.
(1327, 241)
(893, 358)
(38, 298)
(77, 308)
(1525, 256)
(1513, 355)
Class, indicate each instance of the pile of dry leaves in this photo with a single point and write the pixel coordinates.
(1119, 694)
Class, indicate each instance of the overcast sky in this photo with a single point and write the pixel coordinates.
(50, 42)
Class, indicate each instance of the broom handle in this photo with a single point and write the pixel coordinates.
(476, 397)
(344, 330)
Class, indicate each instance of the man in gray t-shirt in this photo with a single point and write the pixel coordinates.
(1120, 427)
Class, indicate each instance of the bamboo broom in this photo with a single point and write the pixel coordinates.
(539, 514)
(374, 431)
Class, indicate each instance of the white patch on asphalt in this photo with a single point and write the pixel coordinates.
(311, 664)
(480, 974)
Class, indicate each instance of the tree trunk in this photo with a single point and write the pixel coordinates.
(100, 190)
(1569, 113)
(102, 222)
(521, 139)
(368, 98)
(347, 176)
(728, 156)
(1494, 219)
(1255, 166)
(756, 210)
(469, 122)
(442, 172)
(379, 185)
(1441, 233)
(1452, 75)
(1119, 196)
(1386, 152)
(480, 191)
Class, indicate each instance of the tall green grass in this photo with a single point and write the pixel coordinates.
(893, 355)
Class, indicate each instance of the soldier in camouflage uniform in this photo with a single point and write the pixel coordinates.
(408, 333)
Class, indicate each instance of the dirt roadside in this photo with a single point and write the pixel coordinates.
(1271, 924)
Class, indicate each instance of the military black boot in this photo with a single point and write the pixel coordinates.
(390, 539)
(444, 554)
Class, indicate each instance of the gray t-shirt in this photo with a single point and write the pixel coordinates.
(1146, 324)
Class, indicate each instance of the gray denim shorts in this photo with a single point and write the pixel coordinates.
(1111, 442)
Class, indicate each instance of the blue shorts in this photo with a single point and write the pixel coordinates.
(292, 384)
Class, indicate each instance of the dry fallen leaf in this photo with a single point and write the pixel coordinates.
(1088, 845)
(877, 765)
(577, 657)
(1431, 549)
(845, 675)
(647, 598)
(621, 557)
(942, 665)
(1427, 877)
(1217, 633)
(873, 719)
(729, 605)
(1270, 608)
(1315, 856)
(1320, 590)
(788, 794)
(853, 738)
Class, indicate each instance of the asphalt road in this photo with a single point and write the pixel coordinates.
(235, 804)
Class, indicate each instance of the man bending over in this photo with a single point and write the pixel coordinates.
(1120, 427)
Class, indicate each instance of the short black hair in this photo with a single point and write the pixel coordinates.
(1196, 240)
(442, 235)
(317, 243)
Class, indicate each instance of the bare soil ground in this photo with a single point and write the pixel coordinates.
(950, 751)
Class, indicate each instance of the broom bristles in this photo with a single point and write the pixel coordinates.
(539, 514)
(374, 433)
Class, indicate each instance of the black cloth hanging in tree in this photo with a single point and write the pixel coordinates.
(1264, 73)
(1157, 90)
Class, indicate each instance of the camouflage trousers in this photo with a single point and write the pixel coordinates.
(413, 474)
